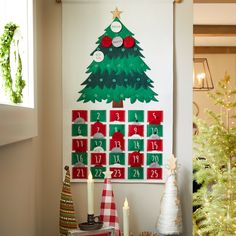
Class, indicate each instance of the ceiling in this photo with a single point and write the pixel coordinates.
(215, 24)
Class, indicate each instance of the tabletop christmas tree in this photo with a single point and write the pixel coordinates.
(117, 71)
(67, 211)
(215, 167)
(108, 212)
(170, 219)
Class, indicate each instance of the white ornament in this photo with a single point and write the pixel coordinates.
(116, 26)
(98, 56)
(117, 41)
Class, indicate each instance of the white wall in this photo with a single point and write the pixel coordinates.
(183, 107)
(28, 211)
(21, 178)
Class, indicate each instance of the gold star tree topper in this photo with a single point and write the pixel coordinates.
(172, 166)
(116, 13)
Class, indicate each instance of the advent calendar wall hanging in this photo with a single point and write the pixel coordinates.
(117, 91)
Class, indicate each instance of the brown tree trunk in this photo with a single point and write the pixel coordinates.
(117, 104)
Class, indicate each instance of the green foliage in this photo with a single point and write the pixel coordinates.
(113, 80)
(215, 166)
(121, 75)
(117, 94)
(118, 65)
(5, 44)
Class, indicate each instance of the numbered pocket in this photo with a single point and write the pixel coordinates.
(155, 117)
(154, 159)
(80, 145)
(135, 145)
(79, 130)
(98, 159)
(116, 158)
(79, 158)
(113, 129)
(135, 173)
(136, 116)
(154, 131)
(117, 116)
(117, 146)
(79, 172)
(136, 131)
(98, 115)
(154, 145)
(98, 145)
(154, 173)
(98, 130)
(79, 116)
(136, 159)
(97, 172)
(117, 173)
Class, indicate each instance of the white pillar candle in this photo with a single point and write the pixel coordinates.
(90, 194)
(126, 218)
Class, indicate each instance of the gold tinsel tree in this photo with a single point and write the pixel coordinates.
(215, 167)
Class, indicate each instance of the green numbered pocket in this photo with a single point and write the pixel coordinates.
(135, 173)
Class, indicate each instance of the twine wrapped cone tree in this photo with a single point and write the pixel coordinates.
(67, 211)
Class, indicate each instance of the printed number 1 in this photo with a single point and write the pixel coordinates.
(79, 158)
(116, 159)
(80, 143)
(98, 144)
(136, 144)
(98, 159)
(154, 146)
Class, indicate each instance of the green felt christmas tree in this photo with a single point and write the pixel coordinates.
(117, 71)
(215, 167)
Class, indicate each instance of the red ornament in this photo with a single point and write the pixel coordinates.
(106, 42)
(117, 135)
(136, 159)
(129, 42)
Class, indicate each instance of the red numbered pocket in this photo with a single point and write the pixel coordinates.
(98, 159)
(155, 145)
(79, 172)
(155, 117)
(80, 145)
(136, 159)
(118, 115)
(117, 145)
(117, 173)
(154, 173)
(98, 130)
(136, 130)
(79, 116)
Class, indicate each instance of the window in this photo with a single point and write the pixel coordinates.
(18, 121)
